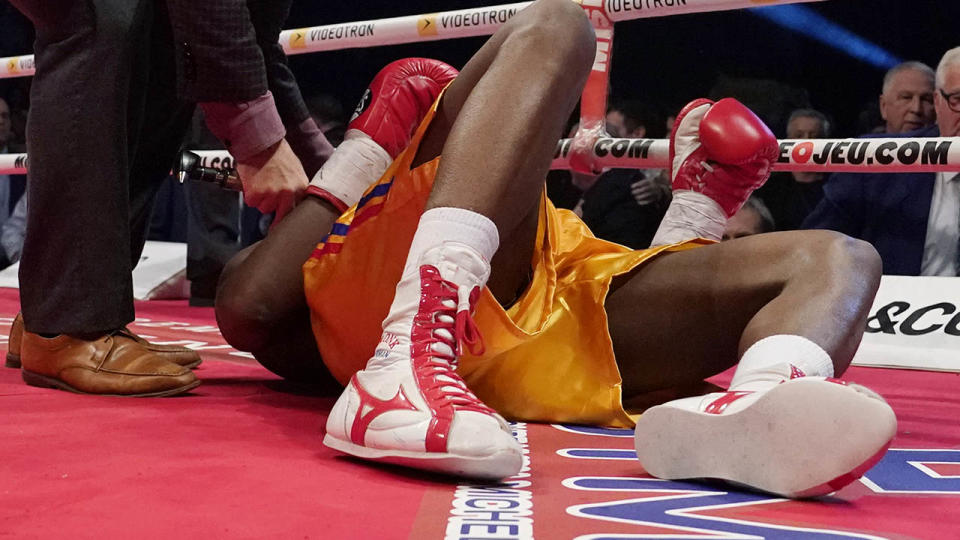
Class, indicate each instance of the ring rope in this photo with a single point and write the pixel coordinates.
(591, 150)
(460, 23)
(886, 155)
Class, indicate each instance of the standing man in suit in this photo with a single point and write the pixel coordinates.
(912, 219)
(111, 100)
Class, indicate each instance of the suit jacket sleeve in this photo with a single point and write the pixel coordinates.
(842, 206)
(305, 138)
(268, 17)
(218, 58)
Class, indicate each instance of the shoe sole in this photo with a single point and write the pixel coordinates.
(13, 361)
(496, 466)
(191, 365)
(42, 381)
(803, 438)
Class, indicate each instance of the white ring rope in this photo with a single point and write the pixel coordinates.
(482, 21)
(825, 155)
(887, 155)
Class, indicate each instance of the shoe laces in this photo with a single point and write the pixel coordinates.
(443, 326)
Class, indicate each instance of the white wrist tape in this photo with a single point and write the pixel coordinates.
(690, 215)
(354, 165)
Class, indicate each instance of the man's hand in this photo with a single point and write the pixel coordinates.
(645, 191)
(273, 180)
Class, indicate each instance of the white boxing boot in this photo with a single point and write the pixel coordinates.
(804, 437)
(408, 406)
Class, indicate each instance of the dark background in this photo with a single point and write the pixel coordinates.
(665, 61)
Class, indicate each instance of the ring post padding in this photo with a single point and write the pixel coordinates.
(593, 99)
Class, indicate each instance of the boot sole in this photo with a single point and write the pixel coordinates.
(803, 438)
(42, 381)
(496, 466)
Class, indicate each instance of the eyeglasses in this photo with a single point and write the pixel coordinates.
(953, 100)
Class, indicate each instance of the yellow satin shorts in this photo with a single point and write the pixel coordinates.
(548, 358)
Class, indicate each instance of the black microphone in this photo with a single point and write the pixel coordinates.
(190, 167)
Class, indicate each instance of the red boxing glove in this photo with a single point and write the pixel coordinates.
(388, 113)
(397, 100)
(721, 150)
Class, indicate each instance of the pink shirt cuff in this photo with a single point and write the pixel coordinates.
(245, 128)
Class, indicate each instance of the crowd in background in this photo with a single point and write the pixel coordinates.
(911, 218)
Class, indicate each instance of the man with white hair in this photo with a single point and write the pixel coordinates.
(906, 101)
(946, 100)
(912, 219)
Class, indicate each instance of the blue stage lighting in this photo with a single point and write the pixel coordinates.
(805, 21)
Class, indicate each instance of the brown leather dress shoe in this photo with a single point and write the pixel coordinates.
(183, 356)
(13, 342)
(114, 365)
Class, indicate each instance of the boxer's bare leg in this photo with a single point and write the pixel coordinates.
(408, 405)
(510, 102)
(791, 307)
(689, 315)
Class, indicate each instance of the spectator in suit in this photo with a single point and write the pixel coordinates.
(626, 205)
(115, 87)
(563, 189)
(753, 218)
(11, 185)
(11, 192)
(13, 232)
(791, 196)
(6, 126)
(912, 219)
(906, 100)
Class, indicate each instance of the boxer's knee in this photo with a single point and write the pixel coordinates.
(858, 258)
(836, 259)
(557, 30)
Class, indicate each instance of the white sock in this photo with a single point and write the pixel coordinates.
(448, 224)
(690, 215)
(460, 243)
(771, 360)
(354, 165)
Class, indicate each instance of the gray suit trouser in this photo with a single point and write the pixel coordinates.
(103, 129)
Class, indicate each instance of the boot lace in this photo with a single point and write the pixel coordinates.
(442, 328)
